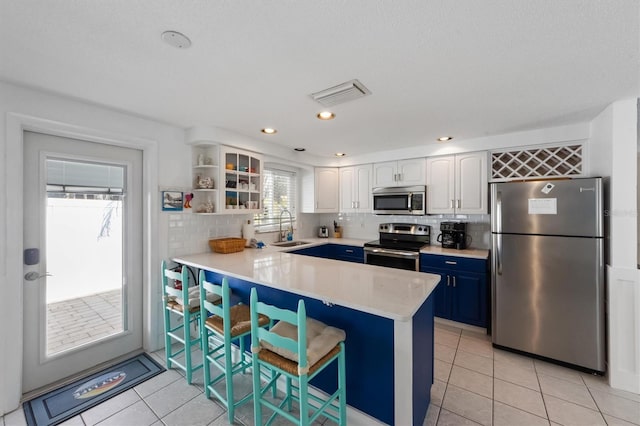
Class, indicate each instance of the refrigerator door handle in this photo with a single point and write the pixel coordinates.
(498, 213)
(499, 254)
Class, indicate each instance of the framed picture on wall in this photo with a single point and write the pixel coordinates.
(171, 201)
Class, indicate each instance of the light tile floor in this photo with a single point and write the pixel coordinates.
(76, 321)
(475, 384)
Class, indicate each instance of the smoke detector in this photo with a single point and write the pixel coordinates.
(341, 93)
(176, 39)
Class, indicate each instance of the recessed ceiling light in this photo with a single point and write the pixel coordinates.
(269, 131)
(326, 115)
(340, 154)
(299, 149)
(176, 39)
(444, 138)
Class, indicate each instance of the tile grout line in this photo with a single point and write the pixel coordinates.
(544, 402)
(596, 402)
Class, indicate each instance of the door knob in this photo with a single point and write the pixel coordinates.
(33, 275)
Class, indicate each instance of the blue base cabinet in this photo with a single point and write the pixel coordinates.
(334, 251)
(462, 294)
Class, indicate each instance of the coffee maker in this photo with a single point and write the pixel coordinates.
(453, 235)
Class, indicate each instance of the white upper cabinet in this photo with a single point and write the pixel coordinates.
(241, 180)
(399, 173)
(205, 177)
(355, 188)
(457, 184)
(320, 191)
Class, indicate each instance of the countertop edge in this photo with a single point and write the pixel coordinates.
(401, 317)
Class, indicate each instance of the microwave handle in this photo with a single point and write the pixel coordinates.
(410, 201)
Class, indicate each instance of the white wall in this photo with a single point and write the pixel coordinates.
(613, 143)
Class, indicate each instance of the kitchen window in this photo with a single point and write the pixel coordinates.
(279, 193)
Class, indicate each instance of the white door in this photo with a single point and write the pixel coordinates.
(83, 290)
(362, 186)
(347, 198)
(385, 174)
(440, 185)
(471, 183)
(327, 190)
(411, 172)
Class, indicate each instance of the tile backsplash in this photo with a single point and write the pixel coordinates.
(189, 233)
(365, 225)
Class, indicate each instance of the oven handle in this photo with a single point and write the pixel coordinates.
(393, 253)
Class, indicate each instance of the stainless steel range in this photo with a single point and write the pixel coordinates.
(399, 246)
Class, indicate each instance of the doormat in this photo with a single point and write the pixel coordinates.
(61, 404)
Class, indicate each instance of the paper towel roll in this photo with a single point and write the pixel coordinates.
(248, 232)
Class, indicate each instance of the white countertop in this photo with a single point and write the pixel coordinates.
(470, 252)
(390, 293)
(474, 253)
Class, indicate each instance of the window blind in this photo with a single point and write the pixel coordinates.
(279, 191)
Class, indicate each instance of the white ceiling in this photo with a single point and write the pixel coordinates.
(466, 68)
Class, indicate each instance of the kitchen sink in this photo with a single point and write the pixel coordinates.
(290, 243)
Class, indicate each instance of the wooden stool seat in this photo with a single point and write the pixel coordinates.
(240, 318)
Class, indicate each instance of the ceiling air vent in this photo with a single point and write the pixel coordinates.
(341, 93)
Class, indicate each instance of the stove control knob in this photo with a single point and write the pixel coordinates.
(420, 228)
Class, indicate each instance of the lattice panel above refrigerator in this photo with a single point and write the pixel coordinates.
(561, 161)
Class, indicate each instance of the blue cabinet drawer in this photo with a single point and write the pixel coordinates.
(453, 263)
(348, 253)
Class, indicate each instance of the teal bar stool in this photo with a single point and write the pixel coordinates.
(296, 348)
(222, 325)
(185, 304)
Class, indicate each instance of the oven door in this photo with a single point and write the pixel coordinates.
(409, 260)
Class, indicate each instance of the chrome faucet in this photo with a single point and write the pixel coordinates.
(281, 235)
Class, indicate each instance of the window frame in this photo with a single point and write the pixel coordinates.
(272, 223)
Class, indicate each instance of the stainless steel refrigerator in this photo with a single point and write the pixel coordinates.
(547, 282)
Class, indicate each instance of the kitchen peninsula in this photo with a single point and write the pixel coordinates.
(386, 313)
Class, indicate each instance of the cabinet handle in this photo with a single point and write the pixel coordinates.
(448, 280)
(317, 203)
(458, 204)
(450, 262)
(451, 204)
(395, 177)
(348, 251)
(400, 176)
(357, 204)
(454, 281)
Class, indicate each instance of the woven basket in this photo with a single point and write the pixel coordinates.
(227, 245)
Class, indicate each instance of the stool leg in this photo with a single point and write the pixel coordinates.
(257, 407)
(242, 355)
(289, 395)
(274, 387)
(167, 338)
(304, 401)
(204, 342)
(342, 384)
(228, 365)
(186, 324)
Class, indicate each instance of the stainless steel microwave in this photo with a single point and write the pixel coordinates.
(405, 200)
